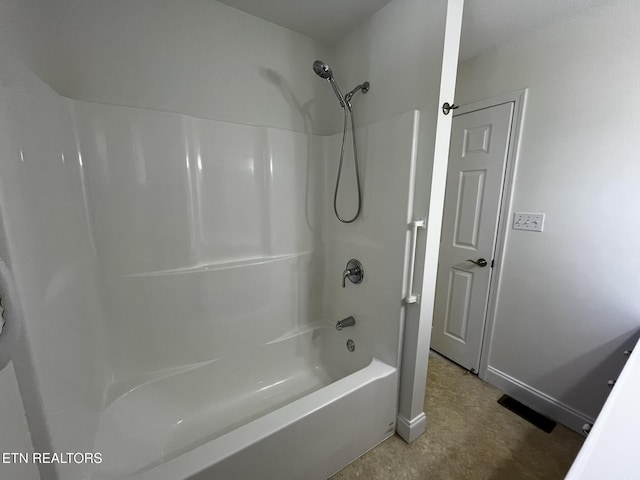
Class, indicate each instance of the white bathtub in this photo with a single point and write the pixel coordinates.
(299, 407)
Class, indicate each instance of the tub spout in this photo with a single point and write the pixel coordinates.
(346, 322)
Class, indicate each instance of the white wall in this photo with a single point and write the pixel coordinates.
(399, 50)
(112, 56)
(14, 49)
(377, 238)
(153, 178)
(13, 423)
(197, 57)
(208, 233)
(23, 45)
(568, 298)
(41, 202)
(50, 253)
(16, 437)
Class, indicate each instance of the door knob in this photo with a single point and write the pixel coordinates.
(481, 262)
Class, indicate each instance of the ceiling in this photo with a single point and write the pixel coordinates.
(487, 23)
(324, 20)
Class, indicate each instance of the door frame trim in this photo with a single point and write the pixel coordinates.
(519, 99)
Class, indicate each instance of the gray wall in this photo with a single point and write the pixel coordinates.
(569, 298)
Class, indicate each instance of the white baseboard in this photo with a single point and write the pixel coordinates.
(409, 430)
(537, 400)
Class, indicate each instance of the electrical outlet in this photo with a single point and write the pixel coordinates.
(533, 222)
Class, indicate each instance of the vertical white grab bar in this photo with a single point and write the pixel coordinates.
(415, 225)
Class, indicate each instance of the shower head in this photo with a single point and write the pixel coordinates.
(323, 71)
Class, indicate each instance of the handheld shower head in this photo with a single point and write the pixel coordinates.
(323, 71)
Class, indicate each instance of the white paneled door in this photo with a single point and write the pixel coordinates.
(477, 161)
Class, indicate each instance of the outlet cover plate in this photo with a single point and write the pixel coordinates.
(532, 222)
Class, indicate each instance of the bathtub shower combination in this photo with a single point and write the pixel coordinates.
(235, 323)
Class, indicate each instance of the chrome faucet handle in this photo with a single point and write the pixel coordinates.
(354, 272)
(345, 274)
(348, 273)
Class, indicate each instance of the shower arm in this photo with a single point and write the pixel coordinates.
(363, 86)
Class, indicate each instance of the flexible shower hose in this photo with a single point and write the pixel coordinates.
(355, 160)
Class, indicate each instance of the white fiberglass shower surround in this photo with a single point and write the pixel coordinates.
(221, 265)
(175, 281)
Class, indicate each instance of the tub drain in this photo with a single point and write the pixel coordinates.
(351, 345)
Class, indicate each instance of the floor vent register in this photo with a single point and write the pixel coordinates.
(543, 423)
